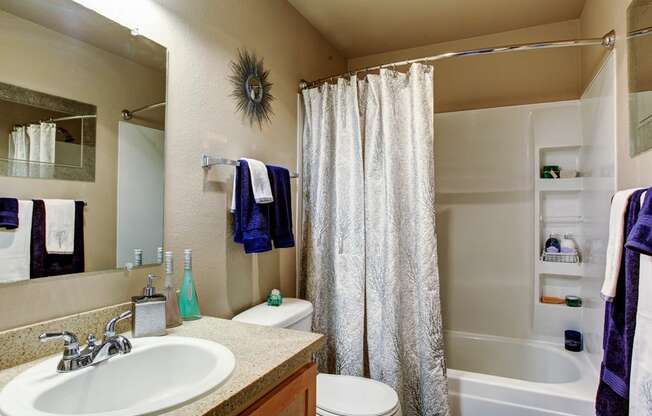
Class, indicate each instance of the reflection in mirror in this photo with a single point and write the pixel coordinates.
(639, 21)
(82, 137)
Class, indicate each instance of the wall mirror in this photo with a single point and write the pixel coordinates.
(639, 43)
(82, 138)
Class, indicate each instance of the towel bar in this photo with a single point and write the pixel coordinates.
(207, 161)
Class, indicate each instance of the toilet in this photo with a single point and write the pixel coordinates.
(337, 395)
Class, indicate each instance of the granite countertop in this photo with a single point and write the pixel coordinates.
(265, 356)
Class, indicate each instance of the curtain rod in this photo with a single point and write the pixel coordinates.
(129, 114)
(607, 41)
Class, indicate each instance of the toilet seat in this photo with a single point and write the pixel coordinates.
(354, 396)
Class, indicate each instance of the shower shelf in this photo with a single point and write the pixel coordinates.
(572, 184)
(560, 269)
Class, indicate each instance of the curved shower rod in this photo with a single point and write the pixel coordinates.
(607, 41)
(129, 114)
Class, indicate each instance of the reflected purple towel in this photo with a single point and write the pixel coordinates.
(619, 327)
(640, 238)
(281, 208)
(250, 220)
(43, 264)
(9, 213)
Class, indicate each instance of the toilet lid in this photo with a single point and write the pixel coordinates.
(355, 396)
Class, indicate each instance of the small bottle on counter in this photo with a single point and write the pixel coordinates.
(188, 301)
(172, 315)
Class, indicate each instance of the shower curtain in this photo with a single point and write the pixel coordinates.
(396, 295)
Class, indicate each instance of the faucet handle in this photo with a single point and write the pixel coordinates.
(70, 342)
(109, 330)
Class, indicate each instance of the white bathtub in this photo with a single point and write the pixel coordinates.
(498, 376)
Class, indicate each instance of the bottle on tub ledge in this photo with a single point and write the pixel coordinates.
(188, 302)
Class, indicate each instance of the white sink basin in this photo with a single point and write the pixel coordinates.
(158, 374)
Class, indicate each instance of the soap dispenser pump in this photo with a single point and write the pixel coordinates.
(148, 311)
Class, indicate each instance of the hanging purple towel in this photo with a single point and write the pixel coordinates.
(250, 220)
(640, 238)
(619, 326)
(281, 209)
(43, 264)
(9, 213)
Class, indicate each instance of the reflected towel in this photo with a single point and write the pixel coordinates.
(9, 213)
(34, 136)
(47, 142)
(259, 181)
(18, 144)
(616, 243)
(59, 226)
(43, 264)
(619, 328)
(250, 219)
(15, 246)
(281, 209)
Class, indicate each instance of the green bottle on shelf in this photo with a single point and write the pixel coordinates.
(188, 302)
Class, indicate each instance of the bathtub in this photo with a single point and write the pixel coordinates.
(499, 376)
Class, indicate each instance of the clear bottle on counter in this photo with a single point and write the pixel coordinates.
(172, 315)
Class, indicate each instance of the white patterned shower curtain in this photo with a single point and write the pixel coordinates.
(370, 250)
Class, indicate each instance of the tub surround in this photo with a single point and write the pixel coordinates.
(265, 356)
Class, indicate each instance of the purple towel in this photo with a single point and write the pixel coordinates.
(619, 326)
(9, 213)
(43, 264)
(640, 238)
(281, 209)
(250, 220)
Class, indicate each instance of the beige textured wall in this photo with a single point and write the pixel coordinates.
(43, 60)
(498, 80)
(202, 37)
(598, 17)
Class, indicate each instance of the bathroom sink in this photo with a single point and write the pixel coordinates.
(158, 374)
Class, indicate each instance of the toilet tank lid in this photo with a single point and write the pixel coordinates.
(290, 312)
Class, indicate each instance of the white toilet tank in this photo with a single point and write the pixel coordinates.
(291, 314)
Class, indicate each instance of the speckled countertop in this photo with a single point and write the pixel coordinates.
(265, 356)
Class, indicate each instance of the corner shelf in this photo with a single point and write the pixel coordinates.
(560, 269)
(559, 185)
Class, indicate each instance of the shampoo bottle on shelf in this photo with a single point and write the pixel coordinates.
(188, 303)
(172, 315)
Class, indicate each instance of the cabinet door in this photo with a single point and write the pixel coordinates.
(296, 396)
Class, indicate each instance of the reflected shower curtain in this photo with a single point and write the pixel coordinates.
(400, 304)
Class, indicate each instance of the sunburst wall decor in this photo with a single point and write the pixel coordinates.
(251, 88)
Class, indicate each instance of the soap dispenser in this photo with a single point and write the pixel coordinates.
(148, 311)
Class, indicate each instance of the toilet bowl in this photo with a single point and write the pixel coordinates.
(337, 395)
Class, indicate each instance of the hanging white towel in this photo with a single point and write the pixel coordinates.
(235, 182)
(34, 135)
(47, 142)
(15, 246)
(640, 384)
(11, 152)
(260, 181)
(59, 226)
(616, 243)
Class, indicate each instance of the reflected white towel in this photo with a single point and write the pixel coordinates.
(15, 246)
(47, 142)
(640, 384)
(19, 146)
(260, 181)
(59, 226)
(616, 243)
(34, 135)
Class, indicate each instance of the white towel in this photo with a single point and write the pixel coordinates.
(34, 134)
(616, 243)
(235, 183)
(15, 246)
(640, 384)
(260, 181)
(59, 226)
(47, 142)
(19, 144)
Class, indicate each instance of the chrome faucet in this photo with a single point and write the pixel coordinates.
(94, 353)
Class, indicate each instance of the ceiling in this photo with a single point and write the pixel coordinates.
(364, 27)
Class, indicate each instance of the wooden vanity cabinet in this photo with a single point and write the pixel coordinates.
(296, 396)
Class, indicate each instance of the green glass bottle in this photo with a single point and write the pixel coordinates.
(188, 302)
